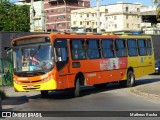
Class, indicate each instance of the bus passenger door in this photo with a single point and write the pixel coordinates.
(61, 57)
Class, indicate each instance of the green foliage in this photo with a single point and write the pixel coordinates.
(14, 17)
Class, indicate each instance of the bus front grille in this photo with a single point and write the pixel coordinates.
(34, 87)
(31, 81)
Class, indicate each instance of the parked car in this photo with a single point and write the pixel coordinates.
(157, 67)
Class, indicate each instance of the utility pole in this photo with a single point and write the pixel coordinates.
(31, 17)
(65, 11)
(98, 17)
(42, 16)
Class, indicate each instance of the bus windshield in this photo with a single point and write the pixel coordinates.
(33, 58)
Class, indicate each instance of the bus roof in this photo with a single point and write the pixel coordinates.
(90, 35)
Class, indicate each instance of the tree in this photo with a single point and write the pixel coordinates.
(14, 17)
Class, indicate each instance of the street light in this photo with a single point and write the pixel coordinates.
(98, 17)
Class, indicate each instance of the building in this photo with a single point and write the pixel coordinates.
(37, 20)
(119, 17)
(150, 23)
(58, 13)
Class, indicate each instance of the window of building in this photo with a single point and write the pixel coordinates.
(127, 25)
(115, 17)
(78, 49)
(138, 10)
(126, 9)
(132, 47)
(126, 16)
(74, 22)
(142, 47)
(115, 26)
(93, 49)
(87, 14)
(107, 48)
(68, 9)
(87, 23)
(82, 3)
(106, 10)
(149, 47)
(80, 22)
(100, 14)
(120, 46)
(106, 18)
(46, 11)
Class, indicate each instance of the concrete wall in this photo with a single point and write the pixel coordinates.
(5, 40)
(156, 45)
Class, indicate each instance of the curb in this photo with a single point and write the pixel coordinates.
(152, 96)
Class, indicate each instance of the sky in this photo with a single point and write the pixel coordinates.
(107, 2)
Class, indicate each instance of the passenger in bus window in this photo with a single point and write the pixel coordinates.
(24, 60)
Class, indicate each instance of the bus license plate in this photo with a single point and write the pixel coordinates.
(30, 86)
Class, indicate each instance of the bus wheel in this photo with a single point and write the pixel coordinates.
(44, 93)
(130, 79)
(77, 88)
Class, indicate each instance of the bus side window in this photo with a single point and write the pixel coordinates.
(93, 50)
(149, 47)
(121, 50)
(132, 47)
(61, 53)
(78, 49)
(142, 47)
(107, 48)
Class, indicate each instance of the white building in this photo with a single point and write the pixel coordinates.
(37, 22)
(119, 17)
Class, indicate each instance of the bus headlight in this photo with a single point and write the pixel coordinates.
(48, 78)
(17, 82)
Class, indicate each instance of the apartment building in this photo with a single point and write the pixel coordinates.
(58, 13)
(37, 22)
(119, 17)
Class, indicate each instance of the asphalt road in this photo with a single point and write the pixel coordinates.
(112, 98)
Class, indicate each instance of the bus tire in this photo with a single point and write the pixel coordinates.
(76, 91)
(130, 79)
(44, 93)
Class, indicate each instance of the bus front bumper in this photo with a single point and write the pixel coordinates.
(49, 85)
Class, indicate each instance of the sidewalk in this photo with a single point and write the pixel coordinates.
(151, 90)
(9, 90)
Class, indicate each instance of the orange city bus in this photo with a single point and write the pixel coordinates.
(47, 62)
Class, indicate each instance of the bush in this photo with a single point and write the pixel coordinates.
(2, 94)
